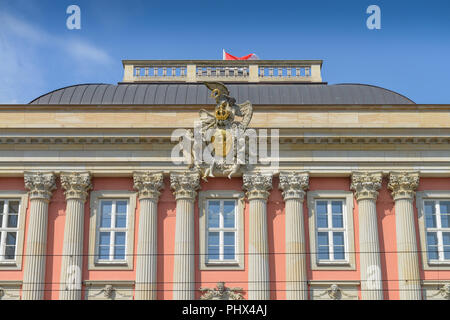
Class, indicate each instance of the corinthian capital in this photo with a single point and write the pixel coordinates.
(294, 185)
(366, 185)
(40, 184)
(148, 184)
(76, 184)
(257, 185)
(403, 184)
(185, 184)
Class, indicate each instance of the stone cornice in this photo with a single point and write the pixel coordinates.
(344, 139)
(366, 185)
(294, 184)
(76, 184)
(403, 184)
(185, 184)
(40, 185)
(148, 184)
(257, 185)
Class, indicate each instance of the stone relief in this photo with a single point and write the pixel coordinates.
(221, 292)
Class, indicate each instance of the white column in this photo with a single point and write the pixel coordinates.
(294, 185)
(185, 186)
(403, 186)
(41, 186)
(257, 186)
(366, 186)
(149, 185)
(76, 186)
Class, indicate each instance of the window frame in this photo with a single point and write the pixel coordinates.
(331, 230)
(421, 197)
(22, 198)
(349, 239)
(96, 199)
(204, 198)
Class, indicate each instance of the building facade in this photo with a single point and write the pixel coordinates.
(353, 201)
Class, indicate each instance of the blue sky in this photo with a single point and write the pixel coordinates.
(410, 54)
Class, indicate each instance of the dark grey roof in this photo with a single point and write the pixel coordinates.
(198, 94)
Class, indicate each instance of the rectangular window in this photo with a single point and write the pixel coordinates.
(437, 224)
(9, 228)
(112, 230)
(330, 230)
(221, 230)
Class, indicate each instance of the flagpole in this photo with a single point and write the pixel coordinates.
(223, 54)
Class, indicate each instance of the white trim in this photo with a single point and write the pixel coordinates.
(95, 201)
(22, 197)
(421, 197)
(349, 238)
(204, 197)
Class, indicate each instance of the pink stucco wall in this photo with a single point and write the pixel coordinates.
(235, 278)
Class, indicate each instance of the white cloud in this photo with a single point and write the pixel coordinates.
(24, 67)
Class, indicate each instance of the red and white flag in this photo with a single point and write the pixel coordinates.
(251, 56)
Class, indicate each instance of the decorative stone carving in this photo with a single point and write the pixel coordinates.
(185, 184)
(76, 184)
(221, 292)
(257, 185)
(444, 291)
(109, 292)
(224, 131)
(366, 184)
(294, 185)
(336, 293)
(40, 184)
(148, 184)
(403, 184)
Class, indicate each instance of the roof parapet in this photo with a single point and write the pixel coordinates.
(308, 71)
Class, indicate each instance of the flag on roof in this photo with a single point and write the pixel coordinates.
(251, 56)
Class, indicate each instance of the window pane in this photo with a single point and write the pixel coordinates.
(103, 252)
(444, 207)
(445, 220)
(447, 252)
(228, 238)
(121, 207)
(13, 207)
(430, 214)
(119, 238)
(338, 220)
(339, 253)
(432, 238)
(104, 238)
(228, 214)
(119, 252)
(2, 206)
(213, 214)
(213, 238)
(11, 238)
(228, 253)
(213, 252)
(1, 220)
(433, 253)
(336, 207)
(322, 238)
(10, 252)
(321, 207)
(12, 220)
(323, 253)
(446, 238)
(338, 238)
(106, 214)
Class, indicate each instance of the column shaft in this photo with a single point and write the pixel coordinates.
(35, 256)
(184, 263)
(408, 259)
(371, 283)
(147, 251)
(72, 259)
(258, 249)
